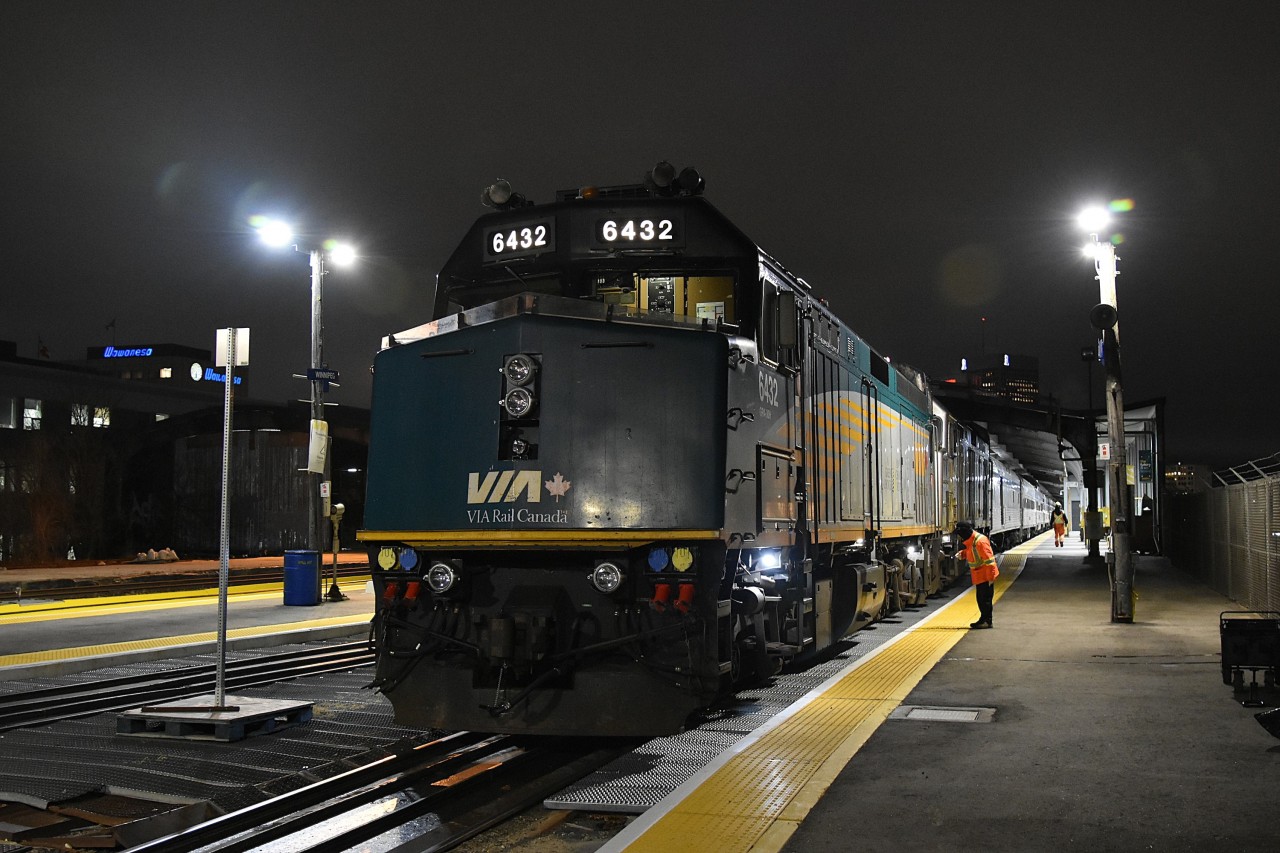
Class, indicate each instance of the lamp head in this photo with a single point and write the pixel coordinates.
(1094, 219)
(274, 232)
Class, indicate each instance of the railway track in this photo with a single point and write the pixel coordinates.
(428, 798)
(49, 705)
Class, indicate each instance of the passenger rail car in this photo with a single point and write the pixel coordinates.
(632, 462)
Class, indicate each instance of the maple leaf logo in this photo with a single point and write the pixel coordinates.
(557, 486)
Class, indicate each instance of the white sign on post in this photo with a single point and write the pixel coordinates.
(318, 446)
(242, 347)
(1104, 450)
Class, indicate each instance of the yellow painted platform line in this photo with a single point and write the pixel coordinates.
(753, 799)
(183, 640)
(12, 614)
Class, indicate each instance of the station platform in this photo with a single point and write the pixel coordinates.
(45, 635)
(1056, 730)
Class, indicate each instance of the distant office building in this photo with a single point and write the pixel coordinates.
(1015, 378)
(113, 386)
(1183, 479)
(165, 364)
(122, 452)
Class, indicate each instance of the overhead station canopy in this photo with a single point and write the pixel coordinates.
(1029, 438)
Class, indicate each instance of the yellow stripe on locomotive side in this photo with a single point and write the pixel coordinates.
(531, 538)
(849, 531)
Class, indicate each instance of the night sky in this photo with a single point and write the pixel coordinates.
(920, 164)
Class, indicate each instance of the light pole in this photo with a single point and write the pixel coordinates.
(1105, 318)
(277, 233)
(1089, 468)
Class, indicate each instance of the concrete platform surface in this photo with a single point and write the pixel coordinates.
(38, 580)
(1105, 736)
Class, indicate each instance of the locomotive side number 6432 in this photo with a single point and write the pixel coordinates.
(519, 239)
(636, 231)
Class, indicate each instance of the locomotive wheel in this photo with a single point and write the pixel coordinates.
(750, 663)
(892, 588)
(915, 582)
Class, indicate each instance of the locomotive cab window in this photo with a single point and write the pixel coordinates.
(690, 297)
(778, 325)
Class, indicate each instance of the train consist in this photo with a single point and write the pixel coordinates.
(633, 462)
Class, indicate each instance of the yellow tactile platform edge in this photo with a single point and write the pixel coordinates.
(756, 799)
(183, 640)
(61, 608)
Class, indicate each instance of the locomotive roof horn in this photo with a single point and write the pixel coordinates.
(500, 196)
(663, 180)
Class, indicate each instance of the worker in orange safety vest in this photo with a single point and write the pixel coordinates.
(981, 558)
(1060, 524)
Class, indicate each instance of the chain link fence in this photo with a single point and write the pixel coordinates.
(1229, 535)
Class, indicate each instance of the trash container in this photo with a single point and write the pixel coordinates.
(302, 577)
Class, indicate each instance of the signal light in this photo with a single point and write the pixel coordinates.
(518, 402)
(519, 375)
(519, 369)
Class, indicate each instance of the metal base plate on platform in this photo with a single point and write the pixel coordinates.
(200, 718)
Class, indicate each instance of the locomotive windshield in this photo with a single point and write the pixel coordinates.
(670, 294)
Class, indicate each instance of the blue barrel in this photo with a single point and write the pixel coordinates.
(302, 577)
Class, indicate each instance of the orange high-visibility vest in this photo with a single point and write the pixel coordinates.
(981, 558)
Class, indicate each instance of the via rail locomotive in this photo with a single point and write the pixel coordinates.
(633, 461)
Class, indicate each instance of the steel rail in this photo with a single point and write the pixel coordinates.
(466, 782)
(49, 705)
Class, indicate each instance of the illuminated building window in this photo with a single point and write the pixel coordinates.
(166, 373)
(32, 412)
(102, 416)
(80, 414)
(8, 413)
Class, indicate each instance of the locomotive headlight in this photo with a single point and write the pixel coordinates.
(519, 369)
(518, 402)
(607, 578)
(441, 577)
(769, 560)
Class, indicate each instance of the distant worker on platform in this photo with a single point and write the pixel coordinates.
(1059, 522)
(982, 568)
